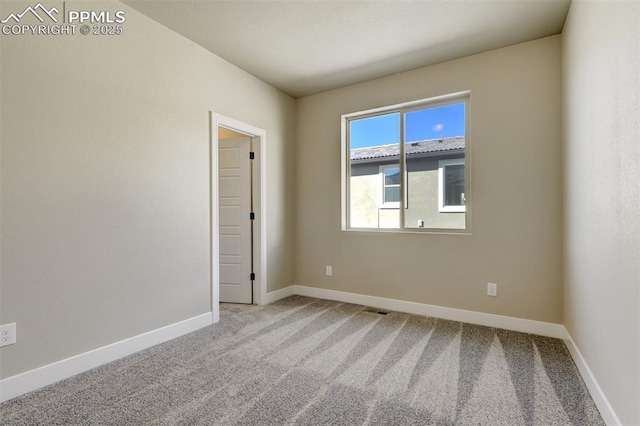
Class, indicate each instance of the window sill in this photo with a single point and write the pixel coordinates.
(397, 231)
(452, 209)
(388, 206)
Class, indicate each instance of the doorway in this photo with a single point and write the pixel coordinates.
(238, 193)
(235, 218)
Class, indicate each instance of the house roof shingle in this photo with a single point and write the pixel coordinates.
(412, 148)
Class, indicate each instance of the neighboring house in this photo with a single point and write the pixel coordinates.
(435, 185)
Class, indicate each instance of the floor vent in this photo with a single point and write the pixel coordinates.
(376, 311)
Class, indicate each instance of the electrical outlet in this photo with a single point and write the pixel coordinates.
(7, 334)
(329, 270)
(492, 289)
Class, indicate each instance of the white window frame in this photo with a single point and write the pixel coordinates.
(464, 97)
(442, 164)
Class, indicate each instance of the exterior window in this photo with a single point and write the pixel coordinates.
(451, 186)
(405, 167)
(390, 186)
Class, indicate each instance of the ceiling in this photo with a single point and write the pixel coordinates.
(308, 46)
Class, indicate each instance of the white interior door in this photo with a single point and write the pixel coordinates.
(234, 183)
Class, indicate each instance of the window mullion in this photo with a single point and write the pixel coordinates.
(403, 174)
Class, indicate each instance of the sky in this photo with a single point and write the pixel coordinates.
(429, 123)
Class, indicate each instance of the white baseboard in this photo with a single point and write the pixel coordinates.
(276, 295)
(20, 384)
(606, 411)
(480, 318)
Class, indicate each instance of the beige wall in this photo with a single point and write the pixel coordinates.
(515, 166)
(601, 79)
(105, 183)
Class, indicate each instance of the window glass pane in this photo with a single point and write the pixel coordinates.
(432, 136)
(435, 123)
(454, 185)
(392, 176)
(392, 194)
(374, 151)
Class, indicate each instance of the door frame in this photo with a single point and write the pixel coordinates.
(259, 207)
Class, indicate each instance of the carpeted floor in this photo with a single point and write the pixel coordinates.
(307, 361)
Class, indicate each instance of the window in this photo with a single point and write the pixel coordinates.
(390, 186)
(451, 186)
(418, 149)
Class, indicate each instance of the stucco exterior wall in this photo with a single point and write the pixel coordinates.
(422, 197)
